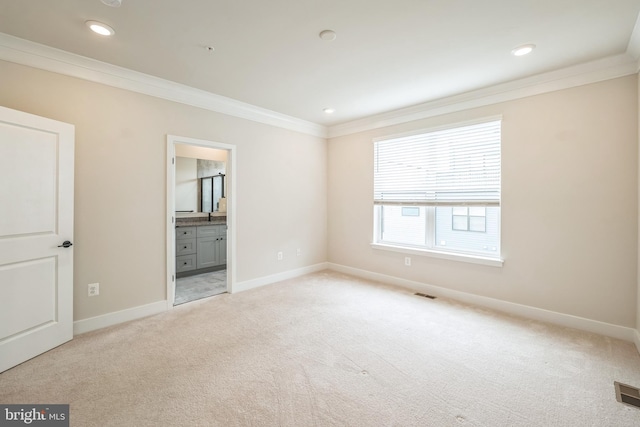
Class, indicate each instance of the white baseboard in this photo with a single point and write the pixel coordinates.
(267, 280)
(110, 319)
(602, 328)
(567, 320)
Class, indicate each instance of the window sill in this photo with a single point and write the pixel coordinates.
(474, 259)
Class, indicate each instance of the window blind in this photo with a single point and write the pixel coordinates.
(452, 167)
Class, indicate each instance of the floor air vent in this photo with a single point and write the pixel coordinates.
(627, 394)
(425, 295)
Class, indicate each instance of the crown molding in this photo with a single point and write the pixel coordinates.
(24, 52)
(633, 48)
(578, 75)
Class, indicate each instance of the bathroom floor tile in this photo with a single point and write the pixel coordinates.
(200, 286)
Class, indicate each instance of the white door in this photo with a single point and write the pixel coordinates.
(36, 217)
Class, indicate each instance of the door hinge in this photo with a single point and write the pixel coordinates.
(172, 221)
(173, 160)
(173, 278)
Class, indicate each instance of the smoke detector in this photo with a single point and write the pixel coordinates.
(327, 35)
(112, 3)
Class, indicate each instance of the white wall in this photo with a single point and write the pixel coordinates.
(120, 176)
(569, 205)
(570, 195)
(186, 184)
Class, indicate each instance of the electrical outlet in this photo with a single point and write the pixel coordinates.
(280, 256)
(407, 261)
(94, 289)
(298, 252)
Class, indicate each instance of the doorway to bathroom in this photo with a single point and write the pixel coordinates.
(200, 219)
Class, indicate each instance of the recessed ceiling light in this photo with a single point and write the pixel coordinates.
(327, 35)
(210, 48)
(100, 28)
(329, 110)
(523, 50)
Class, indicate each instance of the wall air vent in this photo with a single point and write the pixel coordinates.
(425, 295)
(627, 394)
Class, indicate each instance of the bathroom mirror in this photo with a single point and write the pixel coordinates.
(200, 184)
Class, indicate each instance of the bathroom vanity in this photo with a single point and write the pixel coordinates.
(201, 246)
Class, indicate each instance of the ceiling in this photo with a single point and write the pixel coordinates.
(387, 54)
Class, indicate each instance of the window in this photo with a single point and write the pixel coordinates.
(410, 211)
(440, 190)
(469, 219)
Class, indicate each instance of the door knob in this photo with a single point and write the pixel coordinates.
(65, 244)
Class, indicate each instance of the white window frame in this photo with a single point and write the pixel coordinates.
(430, 215)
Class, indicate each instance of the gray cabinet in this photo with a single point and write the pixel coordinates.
(185, 233)
(222, 249)
(185, 263)
(200, 247)
(185, 249)
(210, 241)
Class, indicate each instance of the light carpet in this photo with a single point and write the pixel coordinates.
(332, 350)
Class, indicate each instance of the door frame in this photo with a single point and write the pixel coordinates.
(172, 140)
